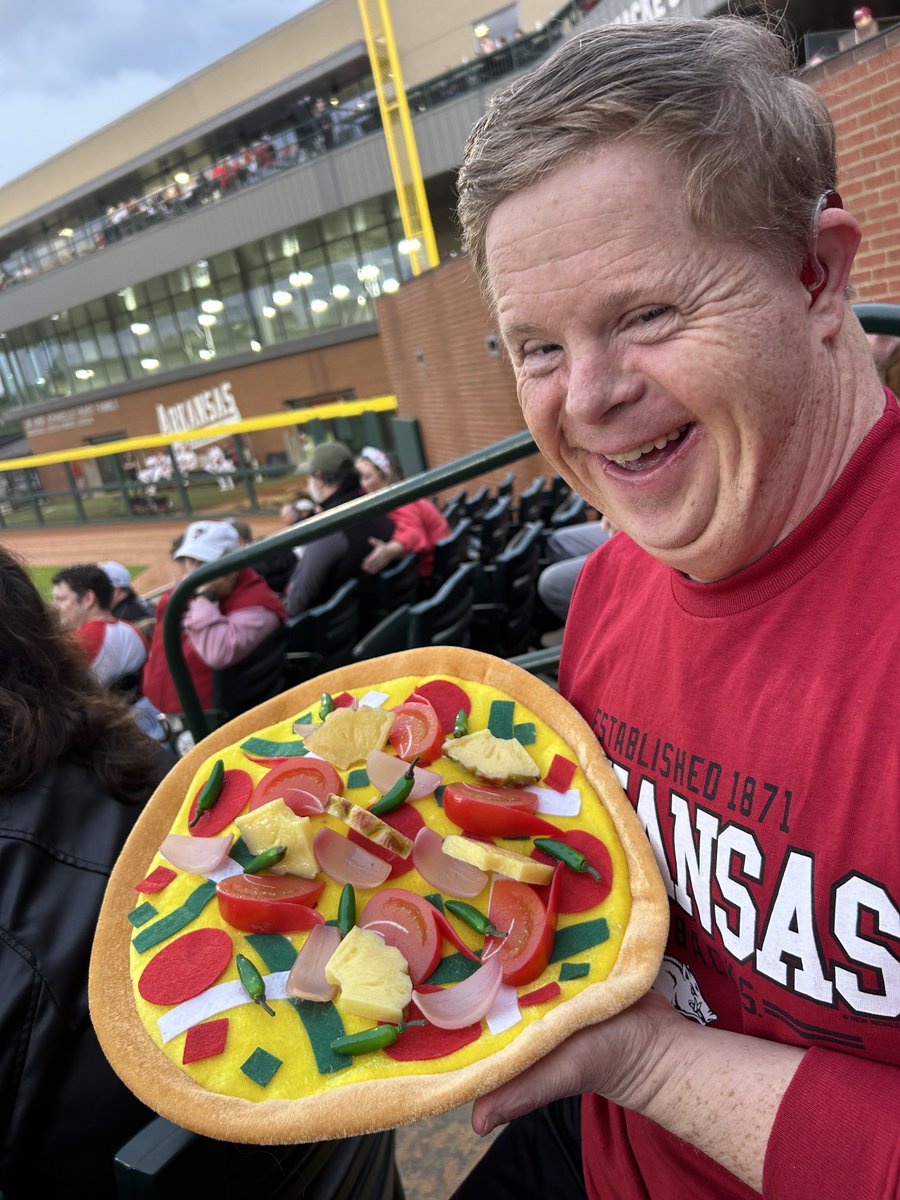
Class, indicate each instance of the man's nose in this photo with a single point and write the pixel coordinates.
(599, 381)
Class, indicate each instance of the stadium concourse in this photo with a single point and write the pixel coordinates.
(434, 1156)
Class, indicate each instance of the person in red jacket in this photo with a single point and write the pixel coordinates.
(418, 526)
(225, 621)
(653, 215)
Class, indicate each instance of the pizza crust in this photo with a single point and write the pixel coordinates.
(377, 1104)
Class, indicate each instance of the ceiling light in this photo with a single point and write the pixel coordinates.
(139, 328)
(367, 273)
(206, 319)
(300, 279)
(40, 381)
(206, 353)
(282, 298)
(408, 245)
(361, 300)
(255, 346)
(84, 373)
(334, 102)
(269, 311)
(319, 306)
(340, 291)
(390, 285)
(54, 317)
(481, 30)
(128, 298)
(67, 232)
(212, 306)
(181, 177)
(149, 364)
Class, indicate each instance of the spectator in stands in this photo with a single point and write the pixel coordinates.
(865, 24)
(126, 604)
(418, 526)
(276, 569)
(330, 561)
(224, 623)
(82, 597)
(567, 552)
(74, 771)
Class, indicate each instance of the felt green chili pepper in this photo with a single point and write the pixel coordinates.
(395, 795)
(461, 724)
(474, 919)
(368, 1040)
(209, 793)
(326, 706)
(267, 858)
(253, 983)
(346, 914)
(567, 854)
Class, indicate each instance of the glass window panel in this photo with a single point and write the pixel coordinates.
(335, 225)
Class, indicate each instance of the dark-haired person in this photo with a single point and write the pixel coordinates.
(74, 771)
(331, 560)
(654, 217)
(82, 597)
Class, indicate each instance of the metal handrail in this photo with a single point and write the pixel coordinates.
(520, 445)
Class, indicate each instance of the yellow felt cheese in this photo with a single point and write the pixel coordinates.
(373, 977)
(496, 858)
(498, 760)
(274, 824)
(349, 734)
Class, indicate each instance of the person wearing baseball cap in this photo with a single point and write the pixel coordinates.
(332, 560)
(127, 605)
(224, 623)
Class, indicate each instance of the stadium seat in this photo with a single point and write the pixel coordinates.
(505, 595)
(324, 636)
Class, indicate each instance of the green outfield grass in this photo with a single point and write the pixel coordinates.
(43, 577)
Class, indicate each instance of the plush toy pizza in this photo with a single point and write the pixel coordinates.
(371, 899)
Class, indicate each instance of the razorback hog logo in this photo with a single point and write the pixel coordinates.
(676, 982)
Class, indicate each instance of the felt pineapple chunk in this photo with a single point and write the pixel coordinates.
(498, 760)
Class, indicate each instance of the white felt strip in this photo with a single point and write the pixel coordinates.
(504, 1012)
(216, 1000)
(228, 867)
(373, 699)
(557, 804)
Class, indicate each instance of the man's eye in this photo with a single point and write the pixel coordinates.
(651, 314)
(539, 348)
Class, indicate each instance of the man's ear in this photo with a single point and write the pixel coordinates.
(836, 244)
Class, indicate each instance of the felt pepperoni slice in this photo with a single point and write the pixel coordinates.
(235, 793)
(406, 820)
(445, 698)
(424, 1042)
(186, 967)
(548, 992)
(158, 878)
(577, 892)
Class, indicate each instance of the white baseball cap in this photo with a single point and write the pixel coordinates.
(117, 575)
(207, 541)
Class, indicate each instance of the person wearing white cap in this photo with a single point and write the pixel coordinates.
(126, 605)
(224, 623)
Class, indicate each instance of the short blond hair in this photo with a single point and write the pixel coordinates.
(718, 95)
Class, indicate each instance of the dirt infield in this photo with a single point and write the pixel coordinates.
(146, 543)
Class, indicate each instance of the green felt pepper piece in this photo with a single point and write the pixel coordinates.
(500, 721)
(576, 939)
(264, 748)
(261, 1066)
(323, 1025)
(176, 920)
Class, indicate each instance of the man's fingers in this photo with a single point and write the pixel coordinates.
(551, 1078)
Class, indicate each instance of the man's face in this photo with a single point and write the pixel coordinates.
(72, 608)
(661, 372)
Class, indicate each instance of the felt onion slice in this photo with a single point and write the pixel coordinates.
(344, 862)
(306, 979)
(463, 1003)
(385, 769)
(450, 875)
(199, 856)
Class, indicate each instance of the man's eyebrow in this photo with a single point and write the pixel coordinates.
(613, 304)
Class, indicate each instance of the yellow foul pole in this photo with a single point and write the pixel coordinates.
(398, 133)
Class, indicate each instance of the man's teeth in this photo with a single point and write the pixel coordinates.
(659, 444)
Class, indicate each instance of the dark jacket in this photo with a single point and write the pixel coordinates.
(331, 560)
(63, 1111)
(133, 608)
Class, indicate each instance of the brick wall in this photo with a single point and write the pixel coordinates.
(862, 90)
(434, 334)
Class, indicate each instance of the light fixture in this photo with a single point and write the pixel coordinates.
(269, 312)
(255, 346)
(206, 319)
(205, 352)
(340, 291)
(54, 317)
(282, 298)
(212, 306)
(319, 306)
(139, 328)
(181, 177)
(300, 279)
(290, 245)
(67, 232)
(481, 30)
(149, 364)
(408, 245)
(361, 300)
(200, 272)
(390, 285)
(368, 273)
(128, 298)
(40, 381)
(84, 373)
(334, 102)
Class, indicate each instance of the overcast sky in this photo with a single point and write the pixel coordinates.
(69, 67)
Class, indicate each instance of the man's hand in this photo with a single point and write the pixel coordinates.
(221, 587)
(381, 555)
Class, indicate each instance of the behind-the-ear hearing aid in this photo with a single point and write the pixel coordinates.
(813, 275)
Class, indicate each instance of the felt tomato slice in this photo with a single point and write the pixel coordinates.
(416, 731)
(407, 921)
(495, 811)
(445, 698)
(235, 793)
(269, 903)
(304, 786)
(525, 951)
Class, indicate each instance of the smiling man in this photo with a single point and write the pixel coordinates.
(654, 218)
